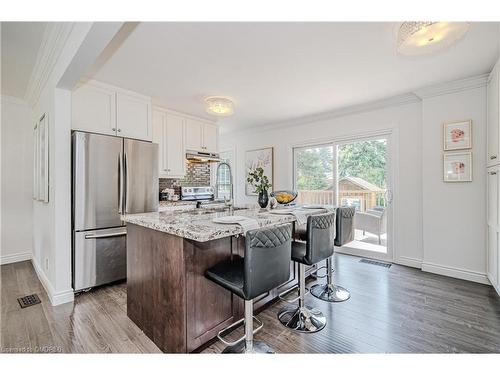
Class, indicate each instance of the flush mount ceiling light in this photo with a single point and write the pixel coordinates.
(219, 105)
(420, 38)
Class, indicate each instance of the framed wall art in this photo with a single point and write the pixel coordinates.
(457, 167)
(259, 158)
(457, 135)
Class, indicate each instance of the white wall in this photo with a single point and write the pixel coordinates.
(454, 213)
(405, 120)
(439, 227)
(17, 180)
(52, 220)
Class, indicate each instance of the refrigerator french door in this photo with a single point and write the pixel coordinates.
(111, 176)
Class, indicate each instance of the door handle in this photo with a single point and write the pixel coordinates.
(92, 236)
(126, 183)
(120, 184)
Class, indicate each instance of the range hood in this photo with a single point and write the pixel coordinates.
(202, 156)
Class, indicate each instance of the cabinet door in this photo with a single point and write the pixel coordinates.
(133, 116)
(194, 135)
(493, 199)
(93, 110)
(493, 156)
(158, 138)
(175, 154)
(493, 260)
(210, 137)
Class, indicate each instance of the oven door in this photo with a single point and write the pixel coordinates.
(99, 257)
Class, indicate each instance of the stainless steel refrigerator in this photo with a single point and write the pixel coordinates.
(111, 176)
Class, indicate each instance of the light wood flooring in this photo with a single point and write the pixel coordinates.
(395, 310)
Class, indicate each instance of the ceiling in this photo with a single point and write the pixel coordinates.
(20, 44)
(280, 71)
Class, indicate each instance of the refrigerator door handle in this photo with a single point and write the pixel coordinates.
(120, 184)
(126, 209)
(91, 236)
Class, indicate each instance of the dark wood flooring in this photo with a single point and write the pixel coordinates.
(396, 310)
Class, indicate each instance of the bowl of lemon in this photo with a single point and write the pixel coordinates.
(284, 196)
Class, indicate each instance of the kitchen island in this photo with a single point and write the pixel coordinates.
(168, 296)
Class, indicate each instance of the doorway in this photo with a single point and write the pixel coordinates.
(355, 172)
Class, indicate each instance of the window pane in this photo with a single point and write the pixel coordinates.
(314, 175)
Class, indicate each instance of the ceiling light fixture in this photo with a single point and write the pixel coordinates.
(219, 105)
(420, 38)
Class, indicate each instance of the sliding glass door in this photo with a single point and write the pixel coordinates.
(314, 180)
(351, 173)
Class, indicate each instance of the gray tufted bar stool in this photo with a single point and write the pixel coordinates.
(265, 266)
(330, 292)
(318, 247)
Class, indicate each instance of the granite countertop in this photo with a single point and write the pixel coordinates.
(198, 225)
(176, 205)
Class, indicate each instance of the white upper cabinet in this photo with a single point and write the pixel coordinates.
(105, 109)
(201, 136)
(93, 109)
(168, 132)
(194, 135)
(133, 116)
(210, 137)
(493, 156)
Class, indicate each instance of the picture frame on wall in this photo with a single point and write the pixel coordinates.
(457, 167)
(457, 135)
(263, 157)
(35, 162)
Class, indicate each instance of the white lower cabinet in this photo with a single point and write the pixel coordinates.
(168, 133)
(493, 210)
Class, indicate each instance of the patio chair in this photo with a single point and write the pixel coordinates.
(372, 221)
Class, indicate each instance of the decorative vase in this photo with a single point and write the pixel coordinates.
(263, 199)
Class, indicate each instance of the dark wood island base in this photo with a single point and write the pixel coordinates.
(168, 296)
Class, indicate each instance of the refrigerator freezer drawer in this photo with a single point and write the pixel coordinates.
(99, 257)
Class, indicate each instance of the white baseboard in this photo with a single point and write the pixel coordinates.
(13, 258)
(497, 289)
(56, 298)
(409, 262)
(458, 273)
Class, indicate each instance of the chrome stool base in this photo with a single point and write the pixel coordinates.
(302, 319)
(330, 293)
(259, 347)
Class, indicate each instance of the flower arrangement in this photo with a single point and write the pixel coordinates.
(259, 181)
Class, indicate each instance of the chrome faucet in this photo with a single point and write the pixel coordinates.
(217, 184)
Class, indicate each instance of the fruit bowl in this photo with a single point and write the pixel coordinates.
(284, 196)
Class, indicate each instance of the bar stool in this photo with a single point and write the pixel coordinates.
(266, 265)
(318, 247)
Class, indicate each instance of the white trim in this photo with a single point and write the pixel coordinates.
(408, 261)
(14, 100)
(14, 258)
(341, 112)
(157, 107)
(53, 41)
(56, 298)
(415, 96)
(453, 86)
(458, 273)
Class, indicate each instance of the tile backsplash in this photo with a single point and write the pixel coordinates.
(197, 174)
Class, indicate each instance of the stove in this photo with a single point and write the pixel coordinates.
(197, 193)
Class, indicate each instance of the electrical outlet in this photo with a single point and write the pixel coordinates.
(46, 264)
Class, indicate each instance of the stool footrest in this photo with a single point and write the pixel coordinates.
(232, 343)
(315, 273)
(280, 296)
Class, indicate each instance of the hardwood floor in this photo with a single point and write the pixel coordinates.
(395, 310)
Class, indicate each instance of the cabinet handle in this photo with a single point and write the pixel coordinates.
(119, 130)
(493, 173)
(114, 129)
(493, 157)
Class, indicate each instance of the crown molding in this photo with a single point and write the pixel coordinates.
(14, 100)
(341, 112)
(452, 86)
(53, 41)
